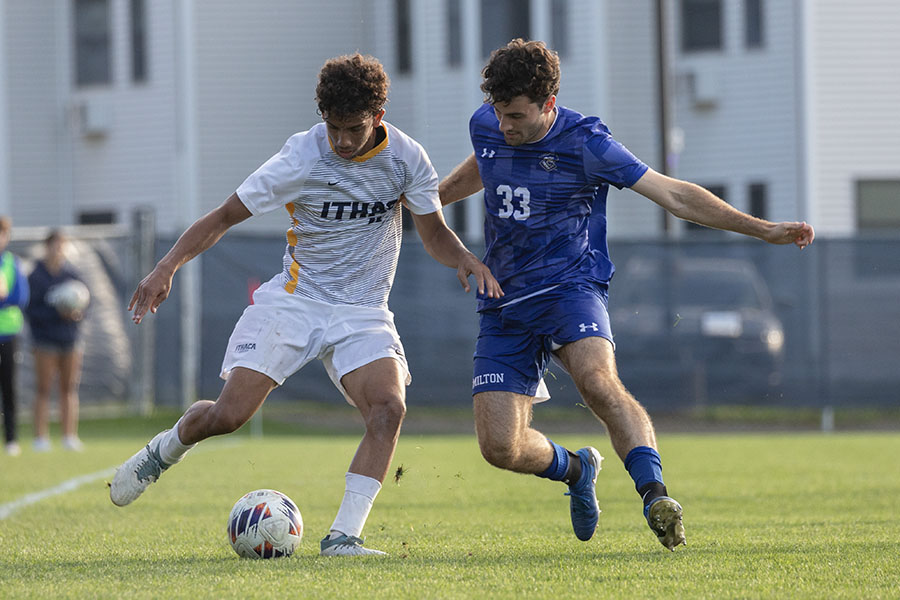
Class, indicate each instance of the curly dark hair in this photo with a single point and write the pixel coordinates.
(351, 85)
(521, 69)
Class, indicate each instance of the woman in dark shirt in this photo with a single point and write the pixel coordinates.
(57, 351)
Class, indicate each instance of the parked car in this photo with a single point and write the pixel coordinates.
(696, 326)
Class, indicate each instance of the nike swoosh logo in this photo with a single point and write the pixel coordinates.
(332, 183)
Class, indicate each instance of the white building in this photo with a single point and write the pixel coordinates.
(788, 108)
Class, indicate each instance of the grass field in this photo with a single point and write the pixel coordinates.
(767, 516)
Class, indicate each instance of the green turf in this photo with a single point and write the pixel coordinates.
(767, 516)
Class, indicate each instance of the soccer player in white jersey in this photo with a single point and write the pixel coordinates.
(342, 183)
(545, 171)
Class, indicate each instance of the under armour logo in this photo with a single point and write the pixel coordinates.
(584, 328)
(485, 153)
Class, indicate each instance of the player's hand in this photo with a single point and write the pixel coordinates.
(799, 233)
(150, 293)
(487, 285)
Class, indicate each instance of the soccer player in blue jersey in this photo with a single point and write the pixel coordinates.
(546, 171)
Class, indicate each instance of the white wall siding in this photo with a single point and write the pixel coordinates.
(810, 113)
(433, 102)
(34, 119)
(256, 70)
(132, 164)
(633, 116)
(750, 134)
(854, 91)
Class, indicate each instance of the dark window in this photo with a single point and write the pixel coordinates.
(138, 41)
(718, 190)
(404, 36)
(878, 204)
(97, 217)
(503, 20)
(454, 33)
(701, 25)
(753, 23)
(559, 26)
(92, 42)
(757, 201)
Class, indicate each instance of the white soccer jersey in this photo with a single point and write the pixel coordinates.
(344, 239)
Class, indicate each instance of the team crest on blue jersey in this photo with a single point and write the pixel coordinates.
(548, 162)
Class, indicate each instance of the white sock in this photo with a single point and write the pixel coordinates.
(358, 498)
(171, 449)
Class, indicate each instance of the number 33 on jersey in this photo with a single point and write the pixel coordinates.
(545, 201)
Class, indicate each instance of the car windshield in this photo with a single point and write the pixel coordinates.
(718, 290)
(703, 288)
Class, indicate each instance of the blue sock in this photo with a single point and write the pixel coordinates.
(644, 466)
(560, 465)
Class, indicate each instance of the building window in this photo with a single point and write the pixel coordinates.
(454, 33)
(757, 203)
(138, 41)
(701, 25)
(92, 42)
(753, 23)
(404, 37)
(96, 217)
(878, 204)
(559, 27)
(502, 21)
(718, 190)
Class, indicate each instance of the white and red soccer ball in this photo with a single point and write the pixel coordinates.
(265, 524)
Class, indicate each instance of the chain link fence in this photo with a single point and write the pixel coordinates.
(702, 322)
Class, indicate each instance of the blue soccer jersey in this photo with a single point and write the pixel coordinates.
(545, 202)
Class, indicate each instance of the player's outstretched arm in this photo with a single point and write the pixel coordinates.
(206, 231)
(463, 181)
(443, 245)
(693, 203)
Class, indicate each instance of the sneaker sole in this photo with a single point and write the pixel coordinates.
(665, 520)
(118, 497)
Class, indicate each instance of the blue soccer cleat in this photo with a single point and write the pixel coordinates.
(583, 495)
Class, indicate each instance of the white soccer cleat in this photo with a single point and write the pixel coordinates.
(346, 545)
(137, 473)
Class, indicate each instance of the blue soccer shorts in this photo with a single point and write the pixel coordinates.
(516, 341)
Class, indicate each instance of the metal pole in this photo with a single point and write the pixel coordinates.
(186, 151)
(5, 193)
(143, 383)
(665, 100)
(472, 64)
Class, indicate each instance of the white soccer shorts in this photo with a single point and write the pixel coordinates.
(280, 333)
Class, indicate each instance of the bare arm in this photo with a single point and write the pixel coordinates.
(202, 235)
(443, 245)
(463, 181)
(693, 203)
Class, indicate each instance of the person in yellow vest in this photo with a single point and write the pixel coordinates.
(13, 297)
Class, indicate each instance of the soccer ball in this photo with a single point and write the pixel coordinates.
(265, 524)
(69, 296)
